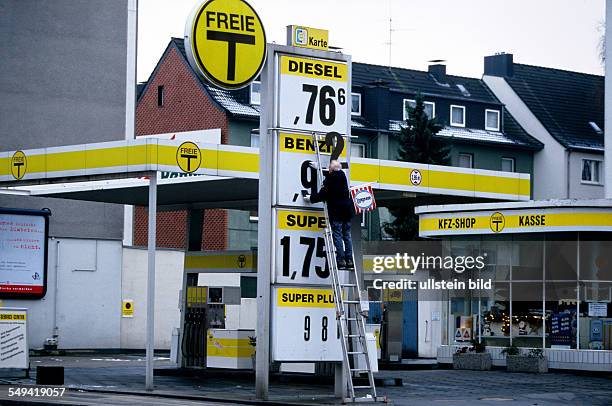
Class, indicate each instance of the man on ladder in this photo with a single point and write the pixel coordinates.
(335, 193)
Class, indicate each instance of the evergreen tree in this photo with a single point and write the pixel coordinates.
(417, 144)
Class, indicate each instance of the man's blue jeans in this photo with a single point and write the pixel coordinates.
(341, 232)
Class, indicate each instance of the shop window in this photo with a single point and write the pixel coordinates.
(595, 317)
(495, 312)
(527, 263)
(527, 314)
(561, 314)
(561, 257)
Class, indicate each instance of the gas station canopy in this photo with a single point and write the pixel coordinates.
(203, 175)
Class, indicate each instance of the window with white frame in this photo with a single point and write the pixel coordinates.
(508, 164)
(255, 140)
(356, 104)
(256, 92)
(591, 171)
(492, 120)
(358, 150)
(428, 107)
(457, 116)
(466, 160)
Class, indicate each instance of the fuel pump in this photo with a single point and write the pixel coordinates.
(193, 343)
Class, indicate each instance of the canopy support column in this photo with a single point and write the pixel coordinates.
(151, 280)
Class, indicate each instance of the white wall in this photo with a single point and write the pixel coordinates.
(579, 190)
(549, 165)
(168, 283)
(86, 305)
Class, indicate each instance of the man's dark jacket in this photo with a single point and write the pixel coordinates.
(336, 193)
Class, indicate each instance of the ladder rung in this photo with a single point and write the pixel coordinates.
(362, 387)
(360, 370)
(356, 352)
(351, 319)
(349, 285)
(352, 335)
(366, 399)
(350, 301)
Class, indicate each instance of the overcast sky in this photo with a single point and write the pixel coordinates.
(555, 33)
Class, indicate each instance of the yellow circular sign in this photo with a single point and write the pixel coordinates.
(19, 164)
(188, 157)
(226, 42)
(497, 222)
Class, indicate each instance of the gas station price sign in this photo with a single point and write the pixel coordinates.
(314, 94)
(300, 248)
(295, 176)
(309, 103)
(305, 325)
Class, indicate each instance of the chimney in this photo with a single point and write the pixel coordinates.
(438, 71)
(500, 64)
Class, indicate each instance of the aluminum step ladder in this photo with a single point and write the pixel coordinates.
(349, 312)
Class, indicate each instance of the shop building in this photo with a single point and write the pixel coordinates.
(551, 266)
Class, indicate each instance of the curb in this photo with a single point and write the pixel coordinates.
(166, 395)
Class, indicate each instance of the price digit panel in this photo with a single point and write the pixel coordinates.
(314, 94)
(304, 327)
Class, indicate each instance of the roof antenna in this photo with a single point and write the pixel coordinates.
(391, 31)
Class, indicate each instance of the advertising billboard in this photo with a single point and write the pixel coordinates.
(23, 253)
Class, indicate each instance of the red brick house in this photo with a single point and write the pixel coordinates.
(176, 99)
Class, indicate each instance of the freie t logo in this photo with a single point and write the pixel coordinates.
(188, 157)
(19, 164)
(236, 24)
(226, 43)
(497, 222)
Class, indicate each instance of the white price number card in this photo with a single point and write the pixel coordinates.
(304, 325)
(313, 94)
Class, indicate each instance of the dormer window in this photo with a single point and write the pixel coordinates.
(355, 104)
(428, 107)
(256, 93)
(457, 115)
(492, 120)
